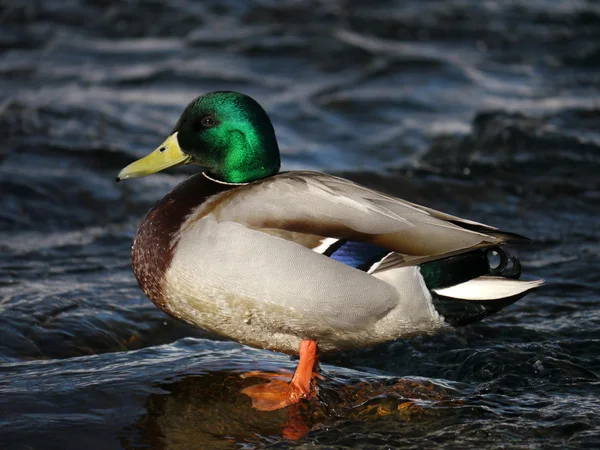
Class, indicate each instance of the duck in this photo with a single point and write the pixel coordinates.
(303, 262)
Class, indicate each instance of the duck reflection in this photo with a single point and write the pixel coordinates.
(209, 410)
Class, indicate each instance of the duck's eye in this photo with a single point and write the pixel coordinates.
(208, 122)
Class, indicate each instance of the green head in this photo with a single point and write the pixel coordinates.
(226, 133)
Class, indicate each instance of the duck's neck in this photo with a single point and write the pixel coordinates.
(215, 180)
(249, 156)
(244, 173)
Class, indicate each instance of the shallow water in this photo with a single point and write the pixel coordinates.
(489, 110)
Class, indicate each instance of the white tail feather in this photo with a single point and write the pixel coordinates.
(489, 288)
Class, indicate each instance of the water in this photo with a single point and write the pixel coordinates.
(488, 110)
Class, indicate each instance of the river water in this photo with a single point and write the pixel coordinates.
(485, 109)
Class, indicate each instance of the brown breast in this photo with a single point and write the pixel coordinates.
(155, 239)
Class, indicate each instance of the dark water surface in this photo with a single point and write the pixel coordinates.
(485, 109)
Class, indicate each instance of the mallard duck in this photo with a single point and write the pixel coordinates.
(296, 261)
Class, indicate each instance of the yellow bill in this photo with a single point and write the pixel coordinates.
(168, 154)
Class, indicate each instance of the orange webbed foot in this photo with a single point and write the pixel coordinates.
(274, 395)
(278, 394)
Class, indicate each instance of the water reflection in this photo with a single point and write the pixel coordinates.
(210, 411)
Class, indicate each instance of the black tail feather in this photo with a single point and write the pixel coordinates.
(460, 268)
(463, 312)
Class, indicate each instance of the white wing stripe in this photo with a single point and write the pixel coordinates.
(325, 244)
(374, 267)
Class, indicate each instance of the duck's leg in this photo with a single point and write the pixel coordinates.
(279, 394)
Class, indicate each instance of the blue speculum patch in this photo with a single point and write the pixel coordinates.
(360, 255)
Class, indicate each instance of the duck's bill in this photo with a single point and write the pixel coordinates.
(168, 154)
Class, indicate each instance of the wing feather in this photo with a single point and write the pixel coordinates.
(294, 204)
